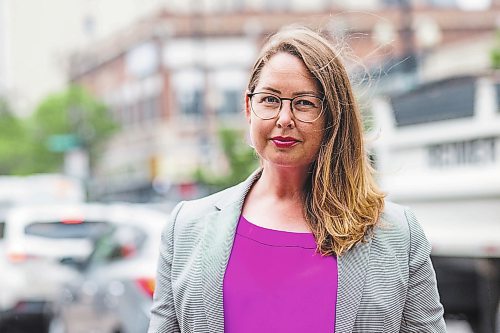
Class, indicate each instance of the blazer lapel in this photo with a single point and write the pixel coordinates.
(216, 248)
(352, 268)
(216, 245)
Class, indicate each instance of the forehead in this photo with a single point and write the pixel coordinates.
(285, 72)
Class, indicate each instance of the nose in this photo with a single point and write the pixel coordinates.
(285, 116)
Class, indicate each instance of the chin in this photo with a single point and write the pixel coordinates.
(287, 163)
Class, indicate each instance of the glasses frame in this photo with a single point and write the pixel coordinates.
(281, 99)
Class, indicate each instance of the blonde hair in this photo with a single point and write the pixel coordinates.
(342, 203)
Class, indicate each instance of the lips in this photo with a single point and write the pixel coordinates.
(284, 141)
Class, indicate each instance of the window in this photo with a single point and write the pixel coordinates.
(103, 250)
(191, 102)
(232, 102)
(442, 3)
(497, 89)
(57, 230)
(452, 99)
(121, 242)
(391, 3)
(151, 109)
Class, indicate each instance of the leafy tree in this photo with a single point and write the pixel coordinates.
(14, 145)
(241, 159)
(65, 120)
(495, 53)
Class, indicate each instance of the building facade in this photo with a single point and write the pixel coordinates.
(172, 81)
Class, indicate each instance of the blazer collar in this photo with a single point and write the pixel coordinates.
(216, 245)
(237, 193)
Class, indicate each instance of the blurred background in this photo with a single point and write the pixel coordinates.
(111, 111)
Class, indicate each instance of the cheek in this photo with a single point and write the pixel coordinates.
(258, 133)
(316, 139)
(254, 132)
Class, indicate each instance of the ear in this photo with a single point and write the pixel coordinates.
(248, 110)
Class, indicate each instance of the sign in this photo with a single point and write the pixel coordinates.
(61, 143)
(471, 152)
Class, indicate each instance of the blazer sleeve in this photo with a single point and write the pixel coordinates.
(163, 316)
(423, 311)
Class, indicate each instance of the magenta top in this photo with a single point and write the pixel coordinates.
(276, 282)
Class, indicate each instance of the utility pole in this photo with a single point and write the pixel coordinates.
(407, 36)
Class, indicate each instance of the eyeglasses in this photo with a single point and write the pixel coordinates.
(305, 108)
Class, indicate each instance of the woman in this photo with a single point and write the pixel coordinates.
(305, 244)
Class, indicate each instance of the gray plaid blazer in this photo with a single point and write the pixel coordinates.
(384, 285)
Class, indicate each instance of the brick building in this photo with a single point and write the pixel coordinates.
(172, 80)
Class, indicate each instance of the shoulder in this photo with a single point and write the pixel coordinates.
(195, 209)
(188, 217)
(399, 224)
(398, 217)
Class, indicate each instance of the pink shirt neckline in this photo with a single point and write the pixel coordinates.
(274, 237)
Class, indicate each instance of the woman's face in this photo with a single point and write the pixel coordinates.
(285, 141)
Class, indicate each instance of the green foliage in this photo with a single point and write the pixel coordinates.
(73, 113)
(14, 145)
(241, 159)
(495, 53)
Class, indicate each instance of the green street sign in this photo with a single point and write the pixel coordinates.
(61, 143)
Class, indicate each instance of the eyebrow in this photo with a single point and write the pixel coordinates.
(305, 92)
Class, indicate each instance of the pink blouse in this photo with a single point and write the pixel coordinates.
(276, 282)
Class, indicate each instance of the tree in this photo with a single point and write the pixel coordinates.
(241, 159)
(14, 145)
(69, 119)
(495, 53)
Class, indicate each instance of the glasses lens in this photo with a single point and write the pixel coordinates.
(307, 108)
(266, 106)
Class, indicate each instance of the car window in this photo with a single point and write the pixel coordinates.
(121, 242)
(58, 230)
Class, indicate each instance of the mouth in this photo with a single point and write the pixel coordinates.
(284, 141)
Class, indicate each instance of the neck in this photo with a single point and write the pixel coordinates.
(282, 183)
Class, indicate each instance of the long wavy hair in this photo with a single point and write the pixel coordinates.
(342, 202)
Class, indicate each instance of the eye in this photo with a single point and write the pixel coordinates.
(306, 102)
(269, 99)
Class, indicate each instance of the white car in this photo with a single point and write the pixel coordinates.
(37, 239)
(113, 293)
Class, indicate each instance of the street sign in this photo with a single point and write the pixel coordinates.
(61, 143)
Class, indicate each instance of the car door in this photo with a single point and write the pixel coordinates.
(79, 313)
(95, 300)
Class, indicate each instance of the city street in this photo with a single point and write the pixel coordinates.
(370, 128)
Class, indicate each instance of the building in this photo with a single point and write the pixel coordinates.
(36, 38)
(172, 80)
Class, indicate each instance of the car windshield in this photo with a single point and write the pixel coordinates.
(83, 229)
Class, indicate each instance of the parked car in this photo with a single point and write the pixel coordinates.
(37, 239)
(113, 293)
